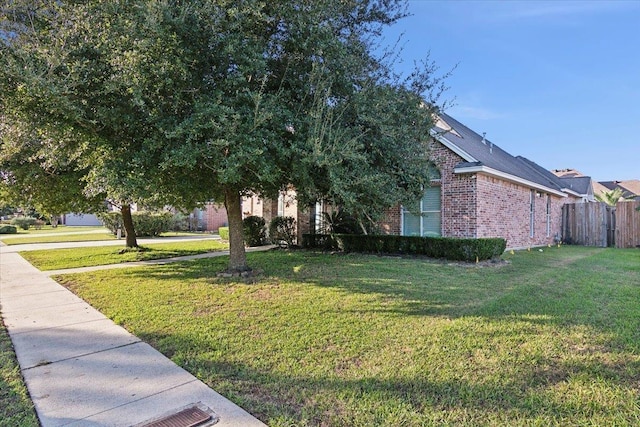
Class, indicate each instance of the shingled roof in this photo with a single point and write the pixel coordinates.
(483, 156)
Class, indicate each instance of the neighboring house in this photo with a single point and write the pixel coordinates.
(630, 188)
(209, 218)
(80, 219)
(477, 190)
(578, 182)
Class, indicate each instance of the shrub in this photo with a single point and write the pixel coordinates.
(23, 222)
(149, 224)
(112, 221)
(282, 229)
(180, 222)
(146, 224)
(435, 247)
(224, 233)
(255, 233)
(8, 229)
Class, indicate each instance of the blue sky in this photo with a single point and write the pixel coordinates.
(557, 82)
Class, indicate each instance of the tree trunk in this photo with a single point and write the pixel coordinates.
(237, 255)
(129, 231)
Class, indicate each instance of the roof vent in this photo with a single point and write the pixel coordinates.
(491, 148)
(484, 139)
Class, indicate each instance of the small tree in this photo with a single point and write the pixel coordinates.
(611, 197)
(282, 229)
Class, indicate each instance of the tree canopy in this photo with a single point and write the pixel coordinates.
(172, 102)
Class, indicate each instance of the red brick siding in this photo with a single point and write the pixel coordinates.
(475, 205)
(458, 192)
(504, 212)
(216, 216)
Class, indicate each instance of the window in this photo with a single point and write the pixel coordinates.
(532, 212)
(427, 221)
(319, 223)
(281, 204)
(548, 215)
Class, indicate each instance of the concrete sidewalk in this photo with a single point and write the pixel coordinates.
(81, 369)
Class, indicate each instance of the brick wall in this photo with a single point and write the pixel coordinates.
(216, 216)
(504, 211)
(458, 198)
(476, 205)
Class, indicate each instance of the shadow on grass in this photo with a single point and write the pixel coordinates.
(594, 287)
(591, 290)
(346, 397)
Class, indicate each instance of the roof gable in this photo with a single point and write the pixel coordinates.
(479, 152)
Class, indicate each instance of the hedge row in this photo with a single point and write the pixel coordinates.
(435, 247)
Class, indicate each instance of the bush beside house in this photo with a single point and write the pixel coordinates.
(456, 249)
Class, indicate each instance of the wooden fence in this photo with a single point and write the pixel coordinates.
(627, 225)
(597, 224)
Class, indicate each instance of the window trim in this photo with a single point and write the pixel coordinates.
(532, 213)
(404, 211)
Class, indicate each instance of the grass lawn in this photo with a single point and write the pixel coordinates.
(47, 229)
(75, 234)
(56, 238)
(85, 257)
(16, 408)
(549, 338)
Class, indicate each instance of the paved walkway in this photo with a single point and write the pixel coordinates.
(81, 369)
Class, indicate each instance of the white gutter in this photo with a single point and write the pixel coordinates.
(507, 177)
(566, 190)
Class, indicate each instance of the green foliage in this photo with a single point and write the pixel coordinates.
(255, 231)
(611, 197)
(146, 224)
(112, 221)
(181, 102)
(23, 222)
(282, 230)
(340, 222)
(8, 229)
(224, 233)
(434, 247)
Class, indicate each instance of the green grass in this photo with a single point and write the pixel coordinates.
(47, 229)
(549, 338)
(16, 408)
(81, 234)
(56, 238)
(85, 257)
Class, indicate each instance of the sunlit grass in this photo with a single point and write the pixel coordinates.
(76, 234)
(54, 259)
(58, 238)
(548, 338)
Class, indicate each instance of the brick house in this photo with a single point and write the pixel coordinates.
(479, 190)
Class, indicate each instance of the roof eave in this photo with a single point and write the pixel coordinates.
(439, 136)
(508, 177)
(574, 193)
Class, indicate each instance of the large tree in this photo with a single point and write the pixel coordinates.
(181, 102)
